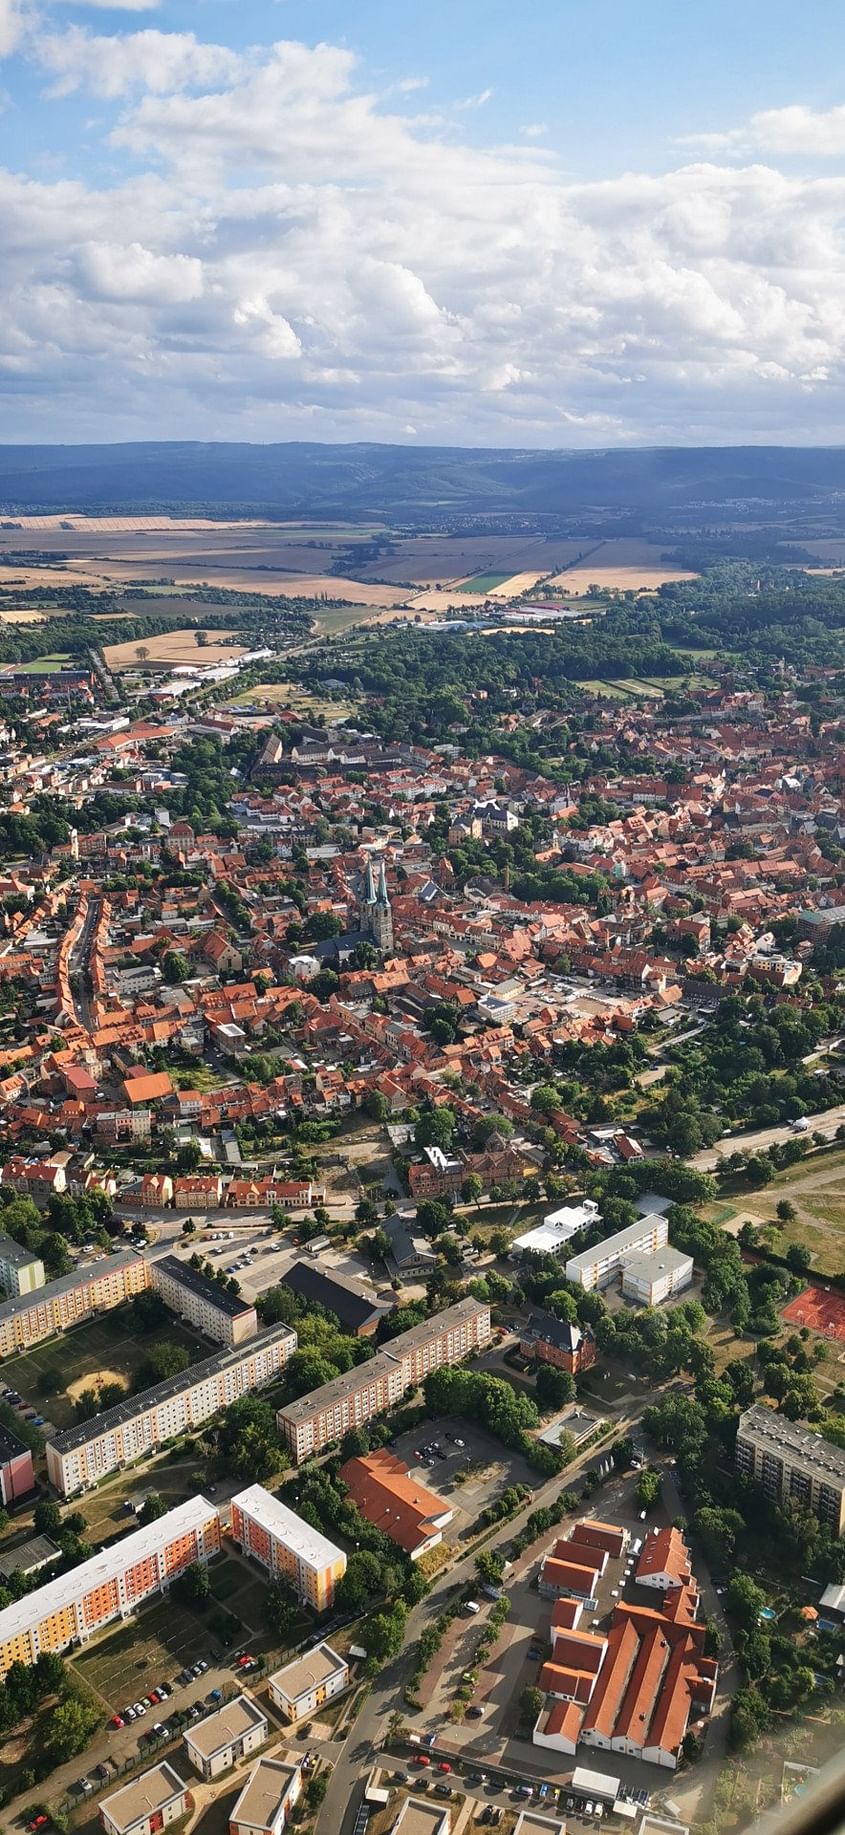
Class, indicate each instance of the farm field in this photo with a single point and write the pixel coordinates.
(172, 647)
(516, 583)
(54, 1373)
(432, 560)
(482, 583)
(621, 566)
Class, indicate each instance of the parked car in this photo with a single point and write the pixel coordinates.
(421, 1758)
(444, 1765)
(474, 1713)
(117, 1720)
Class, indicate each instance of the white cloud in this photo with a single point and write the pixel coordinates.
(534, 130)
(111, 66)
(470, 102)
(12, 22)
(132, 273)
(817, 134)
(295, 254)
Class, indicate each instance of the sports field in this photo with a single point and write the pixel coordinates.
(821, 1308)
(101, 1351)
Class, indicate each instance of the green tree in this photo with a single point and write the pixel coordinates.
(382, 1635)
(531, 1703)
(648, 1488)
(71, 1725)
(153, 1507)
(553, 1387)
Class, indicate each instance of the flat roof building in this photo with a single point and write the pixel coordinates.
(287, 1546)
(100, 1287)
(138, 1426)
(300, 1688)
(268, 1796)
(650, 1279)
(112, 1584)
(231, 1733)
(20, 1270)
(596, 1268)
(788, 1460)
(557, 1229)
(315, 1420)
(205, 1303)
(148, 1803)
(419, 1817)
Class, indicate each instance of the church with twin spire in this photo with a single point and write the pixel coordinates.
(375, 917)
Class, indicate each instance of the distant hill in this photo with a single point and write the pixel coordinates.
(622, 492)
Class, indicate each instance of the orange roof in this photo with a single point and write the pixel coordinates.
(387, 1495)
(569, 1684)
(665, 1552)
(622, 1650)
(565, 1718)
(567, 1576)
(148, 1088)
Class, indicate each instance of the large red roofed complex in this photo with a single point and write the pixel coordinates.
(635, 1688)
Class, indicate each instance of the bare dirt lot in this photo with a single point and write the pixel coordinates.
(172, 647)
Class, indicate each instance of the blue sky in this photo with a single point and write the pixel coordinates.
(561, 224)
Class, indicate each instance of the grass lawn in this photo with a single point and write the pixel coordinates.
(44, 665)
(333, 620)
(611, 690)
(132, 1659)
(102, 1348)
(292, 695)
(199, 1077)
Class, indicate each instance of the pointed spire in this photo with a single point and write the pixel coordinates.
(383, 898)
(369, 897)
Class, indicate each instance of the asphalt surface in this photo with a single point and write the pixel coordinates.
(755, 1141)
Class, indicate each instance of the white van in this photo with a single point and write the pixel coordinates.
(472, 1606)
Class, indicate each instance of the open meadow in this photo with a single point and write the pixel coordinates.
(53, 1374)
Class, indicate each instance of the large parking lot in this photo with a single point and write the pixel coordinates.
(469, 1475)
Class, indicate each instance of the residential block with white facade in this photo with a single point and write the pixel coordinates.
(138, 1426)
(597, 1267)
(109, 1586)
(205, 1303)
(301, 1687)
(231, 1733)
(20, 1270)
(287, 1546)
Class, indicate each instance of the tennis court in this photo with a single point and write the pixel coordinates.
(821, 1308)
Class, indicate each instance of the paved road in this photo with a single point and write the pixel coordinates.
(385, 1697)
(826, 1123)
(78, 967)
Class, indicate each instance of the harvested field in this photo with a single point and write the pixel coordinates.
(21, 617)
(516, 584)
(621, 566)
(172, 647)
(440, 560)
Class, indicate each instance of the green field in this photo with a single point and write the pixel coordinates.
(151, 1649)
(101, 1349)
(44, 665)
(484, 582)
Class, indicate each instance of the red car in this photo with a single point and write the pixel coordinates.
(117, 1720)
(444, 1765)
(39, 1822)
(422, 1758)
(246, 1658)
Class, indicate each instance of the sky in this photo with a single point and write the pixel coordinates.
(565, 223)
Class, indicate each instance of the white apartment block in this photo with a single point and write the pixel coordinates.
(112, 1584)
(28, 1319)
(649, 1280)
(287, 1546)
(315, 1420)
(20, 1270)
(138, 1426)
(300, 1688)
(146, 1804)
(231, 1733)
(597, 1267)
(203, 1302)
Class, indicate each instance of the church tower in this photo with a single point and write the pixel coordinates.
(375, 917)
